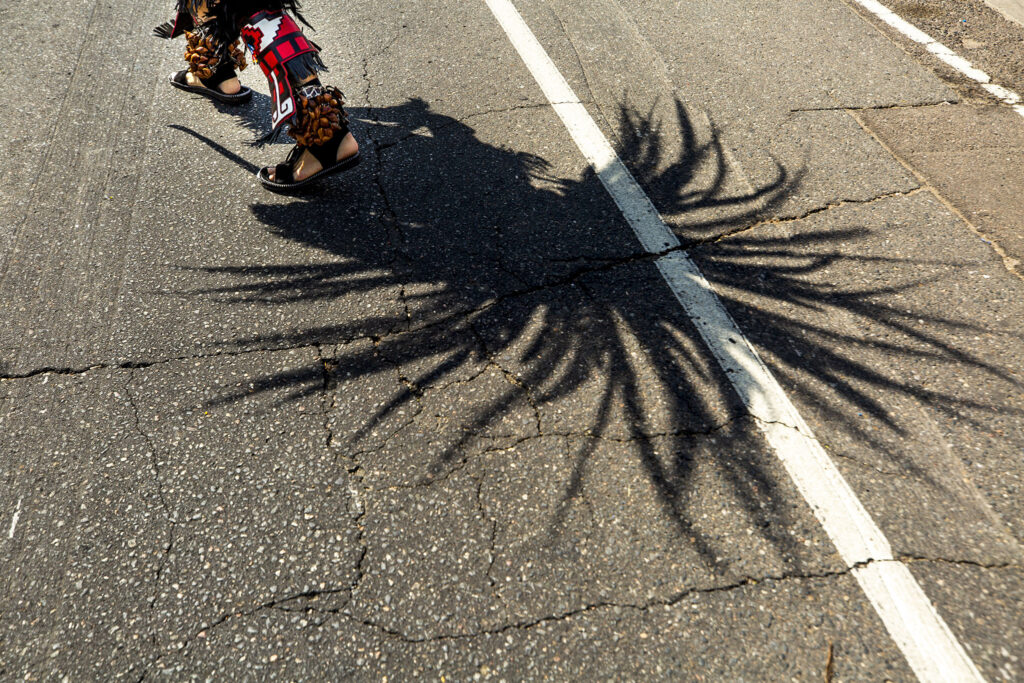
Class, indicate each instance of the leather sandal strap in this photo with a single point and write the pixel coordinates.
(284, 174)
(225, 72)
(327, 154)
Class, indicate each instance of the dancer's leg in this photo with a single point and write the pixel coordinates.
(211, 63)
(308, 164)
(313, 114)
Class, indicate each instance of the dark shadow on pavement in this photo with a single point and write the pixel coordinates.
(500, 263)
(217, 147)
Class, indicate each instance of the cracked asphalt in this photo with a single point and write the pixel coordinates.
(441, 418)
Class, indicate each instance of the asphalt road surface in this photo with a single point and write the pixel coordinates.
(446, 417)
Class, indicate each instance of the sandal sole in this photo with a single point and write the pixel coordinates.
(240, 97)
(284, 188)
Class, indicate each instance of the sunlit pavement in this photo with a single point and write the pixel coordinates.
(443, 416)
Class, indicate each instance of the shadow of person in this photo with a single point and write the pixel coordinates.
(522, 281)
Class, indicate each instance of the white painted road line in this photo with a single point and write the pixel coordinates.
(14, 520)
(1004, 95)
(917, 629)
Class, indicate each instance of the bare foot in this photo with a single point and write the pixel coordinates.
(307, 164)
(229, 87)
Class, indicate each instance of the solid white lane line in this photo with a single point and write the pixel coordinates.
(1005, 95)
(927, 643)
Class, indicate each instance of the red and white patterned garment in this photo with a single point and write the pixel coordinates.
(274, 39)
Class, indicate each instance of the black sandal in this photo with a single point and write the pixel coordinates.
(326, 154)
(209, 86)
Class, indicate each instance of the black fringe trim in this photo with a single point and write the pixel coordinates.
(270, 138)
(303, 68)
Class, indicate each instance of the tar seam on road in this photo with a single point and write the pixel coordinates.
(930, 648)
(1005, 95)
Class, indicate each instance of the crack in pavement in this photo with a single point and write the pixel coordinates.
(504, 446)
(739, 584)
(155, 466)
(457, 466)
(1012, 265)
(492, 544)
(412, 391)
(509, 376)
(860, 462)
(354, 482)
(908, 558)
(592, 99)
(326, 400)
(356, 485)
(804, 216)
(418, 394)
(874, 107)
(597, 266)
(389, 220)
(145, 364)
